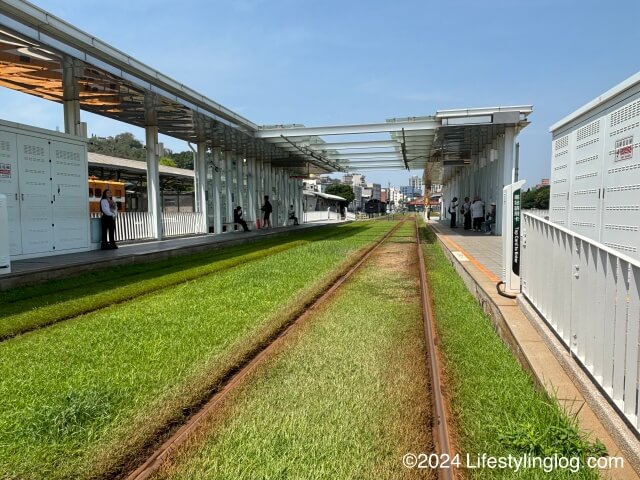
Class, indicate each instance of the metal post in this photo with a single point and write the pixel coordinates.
(153, 182)
(240, 181)
(251, 189)
(228, 183)
(217, 191)
(71, 97)
(200, 180)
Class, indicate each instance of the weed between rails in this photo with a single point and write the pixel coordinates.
(82, 398)
(496, 407)
(344, 396)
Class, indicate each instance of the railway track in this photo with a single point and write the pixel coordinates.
(440, 434)
(441, 428)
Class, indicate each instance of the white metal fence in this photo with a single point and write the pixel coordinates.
(323, 216)
(537, 212)
(590, 295)
(182, 223)
(138, 225)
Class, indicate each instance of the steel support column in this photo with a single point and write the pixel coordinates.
(228, 183)
(71, 97)
(153, 182)
(217, 191)
(251, 184)
(240, 181)
(200, 180)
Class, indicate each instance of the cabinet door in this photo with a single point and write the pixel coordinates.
(71, 202)
(10, 186)
(36, 212)
(621, 179)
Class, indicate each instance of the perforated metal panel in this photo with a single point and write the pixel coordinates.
(621, 180)
(596, 164)
(70, 201)
(44, 176)
(36, 212)
(9, 186)
(560, 181)
(586, 179)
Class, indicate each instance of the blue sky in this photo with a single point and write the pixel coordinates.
(343, 62)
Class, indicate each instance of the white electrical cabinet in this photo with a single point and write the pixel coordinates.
(5, 257)
(595, 169)
(44, 177)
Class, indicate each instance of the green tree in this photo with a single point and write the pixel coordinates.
(542, 197)
(123, 145)
(528, 199)
(342, 190)
(183, 159)
(167, 162)
(536, 198)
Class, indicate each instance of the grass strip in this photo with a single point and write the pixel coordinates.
(496, 407)
(78, 399)
(105, 296)
(42, 305)
(345, 397)
(128, 273)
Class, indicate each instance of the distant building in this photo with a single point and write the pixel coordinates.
(415, 182)
(358, 179)
(410, 192)
(543, 183)
(375, 189)
(395, 196)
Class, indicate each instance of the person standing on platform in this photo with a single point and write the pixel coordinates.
(109, 212)
(266, 212)
(453, 207)
(477, 213)
(466, 212)
(237, 218)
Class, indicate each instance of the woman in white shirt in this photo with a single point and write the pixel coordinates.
(477, 214)
(109, 212)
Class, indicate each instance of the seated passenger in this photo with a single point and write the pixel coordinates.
(292, 215)
(237, 218)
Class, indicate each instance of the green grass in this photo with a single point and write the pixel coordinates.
(24, 309)
(81, 398)
(345, 398)
(496, 407)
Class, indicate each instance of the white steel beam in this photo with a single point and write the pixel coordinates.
(347, 156)
(348, 145)
(348, 129)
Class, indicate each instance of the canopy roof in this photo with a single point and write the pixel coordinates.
(35, 46)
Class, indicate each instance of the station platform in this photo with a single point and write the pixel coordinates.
(478, 259)
(35, 270)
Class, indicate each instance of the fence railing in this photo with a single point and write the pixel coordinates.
(321, 216)
(138, 225)
(182, 223)
(537, 212)
(590, 295)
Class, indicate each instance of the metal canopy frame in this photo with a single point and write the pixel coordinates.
(36, 49)
(439, 145)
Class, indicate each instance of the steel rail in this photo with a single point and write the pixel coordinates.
(155, 460)
(441, 429)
